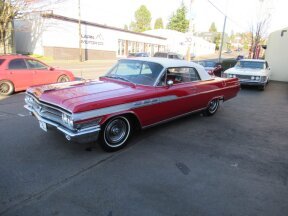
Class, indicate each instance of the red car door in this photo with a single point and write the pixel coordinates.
(19, 74)
(175, 99)
(41, 72)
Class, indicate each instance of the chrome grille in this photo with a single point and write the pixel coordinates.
(46, 111)
(246, 77)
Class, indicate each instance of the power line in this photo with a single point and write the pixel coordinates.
(229, 18)
(216, 7)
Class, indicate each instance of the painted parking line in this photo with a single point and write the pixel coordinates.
(23, 115)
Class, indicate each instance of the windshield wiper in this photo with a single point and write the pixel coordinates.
(121, 78)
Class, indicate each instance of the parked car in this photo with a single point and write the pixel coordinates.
(169, 55)
(139, 54)
(135, 93)
(212, 67)
(250, 72)
(18, 72)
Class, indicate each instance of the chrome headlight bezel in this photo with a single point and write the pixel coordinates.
(29, 100)
(67, 120)
(263, 78)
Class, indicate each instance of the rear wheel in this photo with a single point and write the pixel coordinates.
(63, 78)
(115, 133)
(6, 88)
(212, 107)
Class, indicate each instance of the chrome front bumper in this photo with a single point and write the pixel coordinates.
(252, 82)
(82, 135)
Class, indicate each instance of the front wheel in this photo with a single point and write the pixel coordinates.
(115, 133)
(212, 107)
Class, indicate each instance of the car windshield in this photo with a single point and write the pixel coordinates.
(208, 63)
(137, 72)
(250, 64)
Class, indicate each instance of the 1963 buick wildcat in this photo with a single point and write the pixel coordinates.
(135, 93)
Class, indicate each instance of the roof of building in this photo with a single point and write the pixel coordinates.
(73, 20)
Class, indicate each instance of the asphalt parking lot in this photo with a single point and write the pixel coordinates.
(234, 163)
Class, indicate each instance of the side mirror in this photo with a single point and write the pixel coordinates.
(170, 83)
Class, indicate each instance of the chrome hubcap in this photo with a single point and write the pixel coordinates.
(4, 88)
(213, 106)
(64, 79)
(116, 131)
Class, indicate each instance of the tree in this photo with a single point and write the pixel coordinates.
(158, 24)
(19, 9)
(258, 29)
(8, 11)
(142, 20)
(213, 27)
(217, 40)
(257, 33)
(178, 21)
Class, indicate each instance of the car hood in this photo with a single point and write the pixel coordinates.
(246, 71)
(80, 96)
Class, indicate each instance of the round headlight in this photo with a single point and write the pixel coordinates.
(257, 78)
(64, 118)
(252, 77)
(28, 99)
(67, 120)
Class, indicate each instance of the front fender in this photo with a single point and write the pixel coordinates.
(127, 112)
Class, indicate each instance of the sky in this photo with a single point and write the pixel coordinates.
(240, 13)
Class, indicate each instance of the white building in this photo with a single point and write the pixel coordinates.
(57, 36)
(178, 42)
(277, 54)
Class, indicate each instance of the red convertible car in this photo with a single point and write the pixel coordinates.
(135, 93)
(18, 72)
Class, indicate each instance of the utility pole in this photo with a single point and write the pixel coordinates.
(79, 29)
(188, 53)
(222, 39)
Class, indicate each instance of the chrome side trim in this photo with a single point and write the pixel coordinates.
(173, 118)
(121, 107)
(66, 131)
